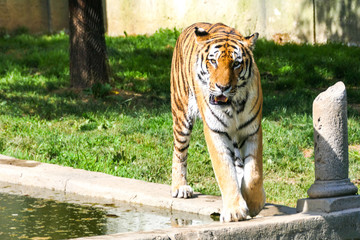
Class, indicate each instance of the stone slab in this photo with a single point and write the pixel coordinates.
(328, 205)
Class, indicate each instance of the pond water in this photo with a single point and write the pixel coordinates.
(24, 217)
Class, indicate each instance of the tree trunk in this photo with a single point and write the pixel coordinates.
(88, 58)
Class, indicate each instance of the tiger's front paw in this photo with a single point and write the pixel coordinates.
(184, 191)
(234, 214)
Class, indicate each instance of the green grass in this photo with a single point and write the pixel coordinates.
(129, 132)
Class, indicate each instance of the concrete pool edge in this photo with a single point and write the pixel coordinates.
(101, 186)
(337, 225)
(97, 185)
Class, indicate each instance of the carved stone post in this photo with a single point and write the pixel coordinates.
(331, 153)
(331, 144)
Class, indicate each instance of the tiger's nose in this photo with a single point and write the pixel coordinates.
(223, 88)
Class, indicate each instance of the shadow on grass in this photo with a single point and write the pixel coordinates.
(35, 75)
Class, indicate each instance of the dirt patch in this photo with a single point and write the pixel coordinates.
(126, 94)
(354, 148)
(138, 99)
(308, 152)
(19, 163)
(356, 182)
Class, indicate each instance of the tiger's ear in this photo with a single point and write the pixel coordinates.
(201, 34)
(251, 40)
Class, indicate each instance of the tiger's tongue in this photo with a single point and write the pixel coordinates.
(221, 98)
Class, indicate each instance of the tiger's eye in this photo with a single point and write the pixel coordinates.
(236, 64)
(213, 61)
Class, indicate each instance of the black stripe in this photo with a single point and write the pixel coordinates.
(191, 50)
(256, 101)
(202, 80)
(182, 149)
(182, 159)
(250, 120)
(255, 132)
(250, 68)
(228, 114)
(219, 40)
(212, 27)
(185, 123)
(181, 133)
(249, 64)
(232, 153)
(178, 140)
(243, 72)
(243, 142)
(246, 51)
(242, 84)
(181, 71)
(220, 132)
(246, 68)
(185, 37)
(202, 72)
(250, 135)
(234, 41)
(179, 105)
(173, 111)
(193, 90)
(188, 60)
(190, 122)
(240, 106)
(207, 48)
(250, 155)
(182, 79)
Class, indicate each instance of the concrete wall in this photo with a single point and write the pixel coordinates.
(338, 21)
(266, 17)
(35, 15)
(281, 20)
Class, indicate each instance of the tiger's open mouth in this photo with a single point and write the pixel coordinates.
(219, 100)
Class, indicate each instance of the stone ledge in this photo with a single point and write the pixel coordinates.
(328, 205)
(338, 225)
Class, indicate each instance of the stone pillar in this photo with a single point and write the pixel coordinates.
(332, 189)
(331, 144)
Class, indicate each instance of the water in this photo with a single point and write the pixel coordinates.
(25, 217)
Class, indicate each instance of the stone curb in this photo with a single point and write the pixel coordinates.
(99, 185)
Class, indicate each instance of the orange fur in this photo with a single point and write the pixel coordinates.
(214, 76)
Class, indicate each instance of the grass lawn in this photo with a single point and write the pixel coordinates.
(129, 132)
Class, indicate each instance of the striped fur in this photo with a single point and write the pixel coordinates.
(214, 77)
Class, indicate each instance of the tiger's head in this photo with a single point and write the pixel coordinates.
(225, 62)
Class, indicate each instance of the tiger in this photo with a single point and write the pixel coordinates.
(214, 77)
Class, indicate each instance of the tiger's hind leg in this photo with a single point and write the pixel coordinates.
(252, 182)
(182, 127)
